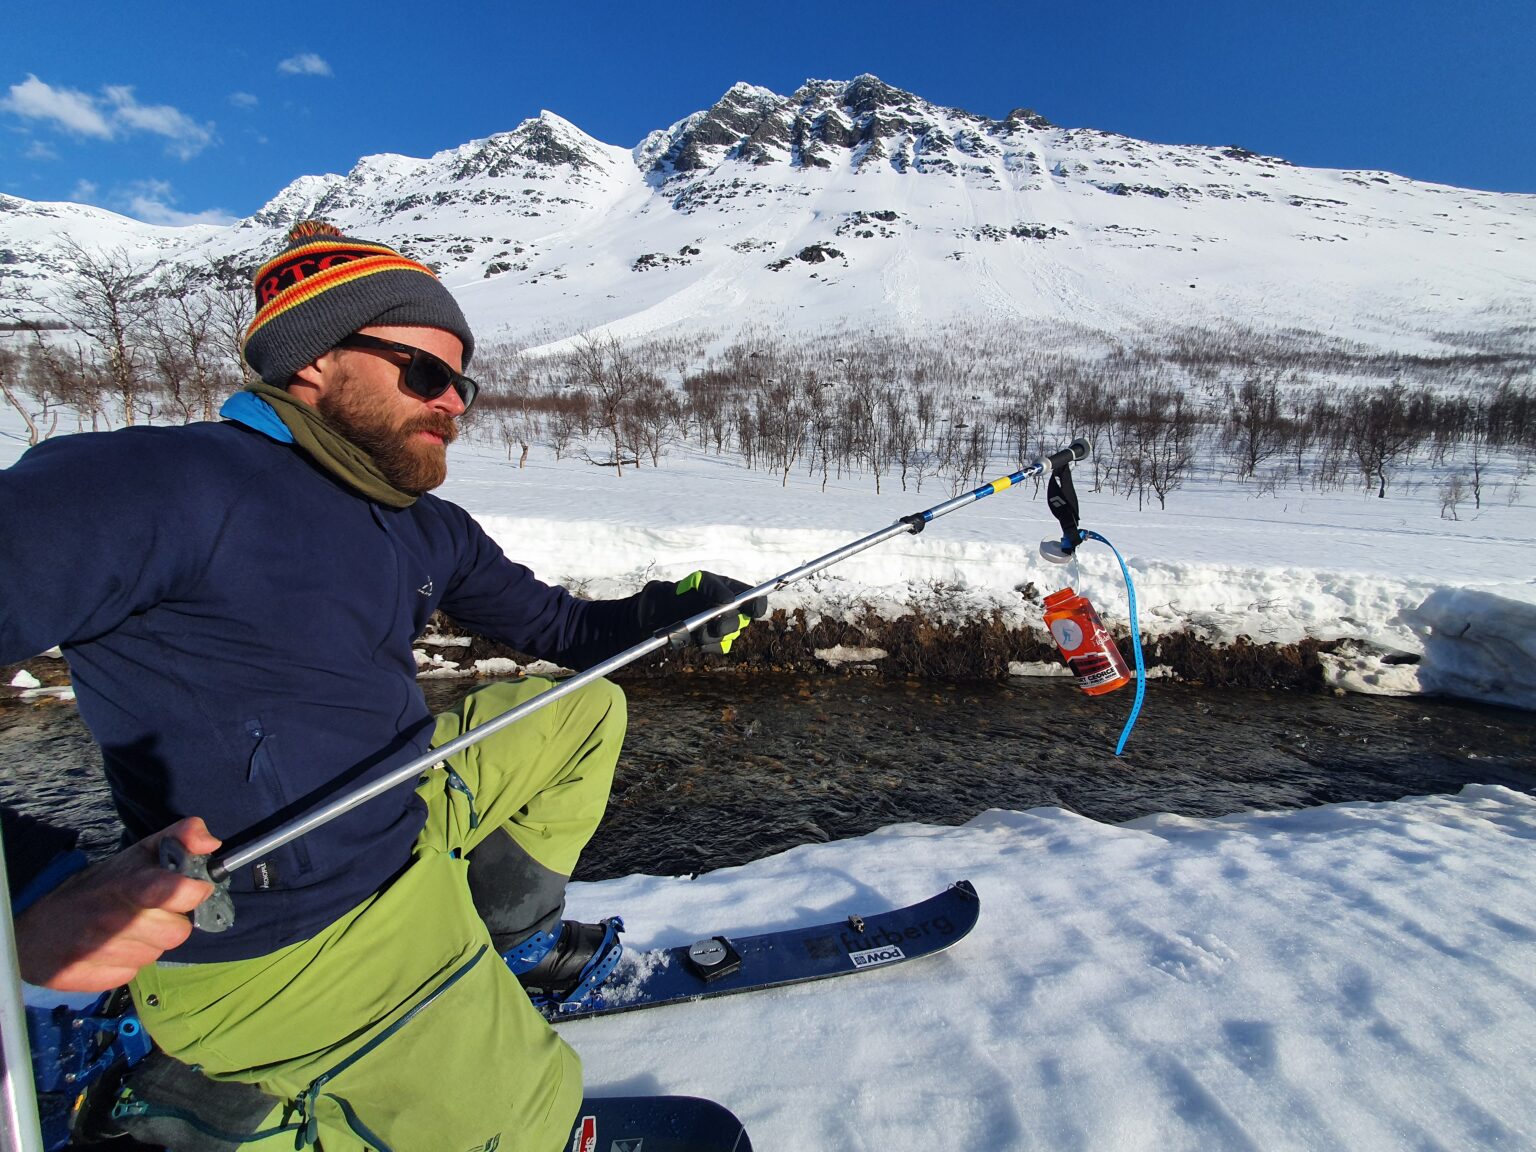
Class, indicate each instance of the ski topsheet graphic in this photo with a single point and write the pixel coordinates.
(722, 965)
(656, 1124)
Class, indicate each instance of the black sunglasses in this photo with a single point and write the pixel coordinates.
(426, 375)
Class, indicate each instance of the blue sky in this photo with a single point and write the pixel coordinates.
(181, 111)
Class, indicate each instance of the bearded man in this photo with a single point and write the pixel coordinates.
(238, 603)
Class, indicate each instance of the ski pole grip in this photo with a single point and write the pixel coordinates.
(217, 911)
(1077, 450)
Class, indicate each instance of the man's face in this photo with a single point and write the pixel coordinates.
(366, 400)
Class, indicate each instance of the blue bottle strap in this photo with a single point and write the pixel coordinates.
(1141, 666)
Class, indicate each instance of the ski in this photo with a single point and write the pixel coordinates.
(71, 1048)
(656, 1124)
(604, 1124)
(725, 965)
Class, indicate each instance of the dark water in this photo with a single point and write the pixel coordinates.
(719, 770)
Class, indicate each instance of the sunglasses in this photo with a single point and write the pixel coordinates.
(426, 375)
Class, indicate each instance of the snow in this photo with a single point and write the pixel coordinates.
(1445, 607)
(843, 654)
(1356, 976)
(1481, 642)
(1140, 237)
(1456, 597)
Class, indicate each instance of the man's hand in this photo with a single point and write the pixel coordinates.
(97, 929)
(700, 591)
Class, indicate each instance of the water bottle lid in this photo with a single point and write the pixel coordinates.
(1054, 552)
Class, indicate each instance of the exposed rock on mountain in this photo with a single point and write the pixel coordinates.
(918, 214)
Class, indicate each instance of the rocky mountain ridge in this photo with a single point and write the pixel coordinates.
(854, 201)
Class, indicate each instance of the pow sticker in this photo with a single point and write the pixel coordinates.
(872, 956)
(585, 1139)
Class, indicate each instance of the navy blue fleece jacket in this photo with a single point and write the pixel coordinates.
(239, 626)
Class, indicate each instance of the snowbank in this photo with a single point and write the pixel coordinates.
(1480, 643)
(1356, 976)
(1218, 563)
(1432, 605)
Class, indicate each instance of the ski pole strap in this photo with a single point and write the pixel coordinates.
(1141, 666)
(1062, 498)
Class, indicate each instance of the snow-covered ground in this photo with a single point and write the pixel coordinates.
(1460, 596)
(1357, 976)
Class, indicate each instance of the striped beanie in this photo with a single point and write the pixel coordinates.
(324, 286)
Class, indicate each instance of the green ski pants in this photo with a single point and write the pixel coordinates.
(398, 1026)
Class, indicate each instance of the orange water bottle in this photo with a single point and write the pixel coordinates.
(1085, 643)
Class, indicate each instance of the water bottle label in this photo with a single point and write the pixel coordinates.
(1067, 633)
(1094, 670)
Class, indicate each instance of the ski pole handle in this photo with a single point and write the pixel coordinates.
(217, 912)
(1077, 450)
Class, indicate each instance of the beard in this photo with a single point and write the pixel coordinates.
(409, 463)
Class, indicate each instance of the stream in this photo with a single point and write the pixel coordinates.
(722, 769)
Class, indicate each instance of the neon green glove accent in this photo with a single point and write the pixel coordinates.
(705, 589)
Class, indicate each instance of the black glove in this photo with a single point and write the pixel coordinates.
(662, 603)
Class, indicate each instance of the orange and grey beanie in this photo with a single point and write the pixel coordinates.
(325, 286)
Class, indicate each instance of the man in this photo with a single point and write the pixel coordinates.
(237, 602)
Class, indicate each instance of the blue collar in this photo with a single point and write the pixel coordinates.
(251, 410)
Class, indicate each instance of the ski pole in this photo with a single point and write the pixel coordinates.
(676, 636)
(20, 1130)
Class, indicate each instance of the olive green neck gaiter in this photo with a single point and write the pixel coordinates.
(330, 449)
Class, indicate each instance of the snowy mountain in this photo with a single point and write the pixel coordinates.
(857, 203)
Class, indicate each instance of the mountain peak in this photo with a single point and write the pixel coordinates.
(742, 90)
(866, 93)
(809, 128)
(855, 198)
(749, 122)
(542, 141)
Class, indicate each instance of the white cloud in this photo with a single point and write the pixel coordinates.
(187, 137)
(154, 202)
(72, 111)
(115, 112)
(37, 150)
(305, 64)
(243, 100)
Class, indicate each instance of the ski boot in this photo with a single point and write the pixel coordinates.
(562, 969)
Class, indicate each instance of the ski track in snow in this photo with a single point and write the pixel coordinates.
(899, 284)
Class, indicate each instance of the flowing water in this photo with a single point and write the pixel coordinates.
(721, 769)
